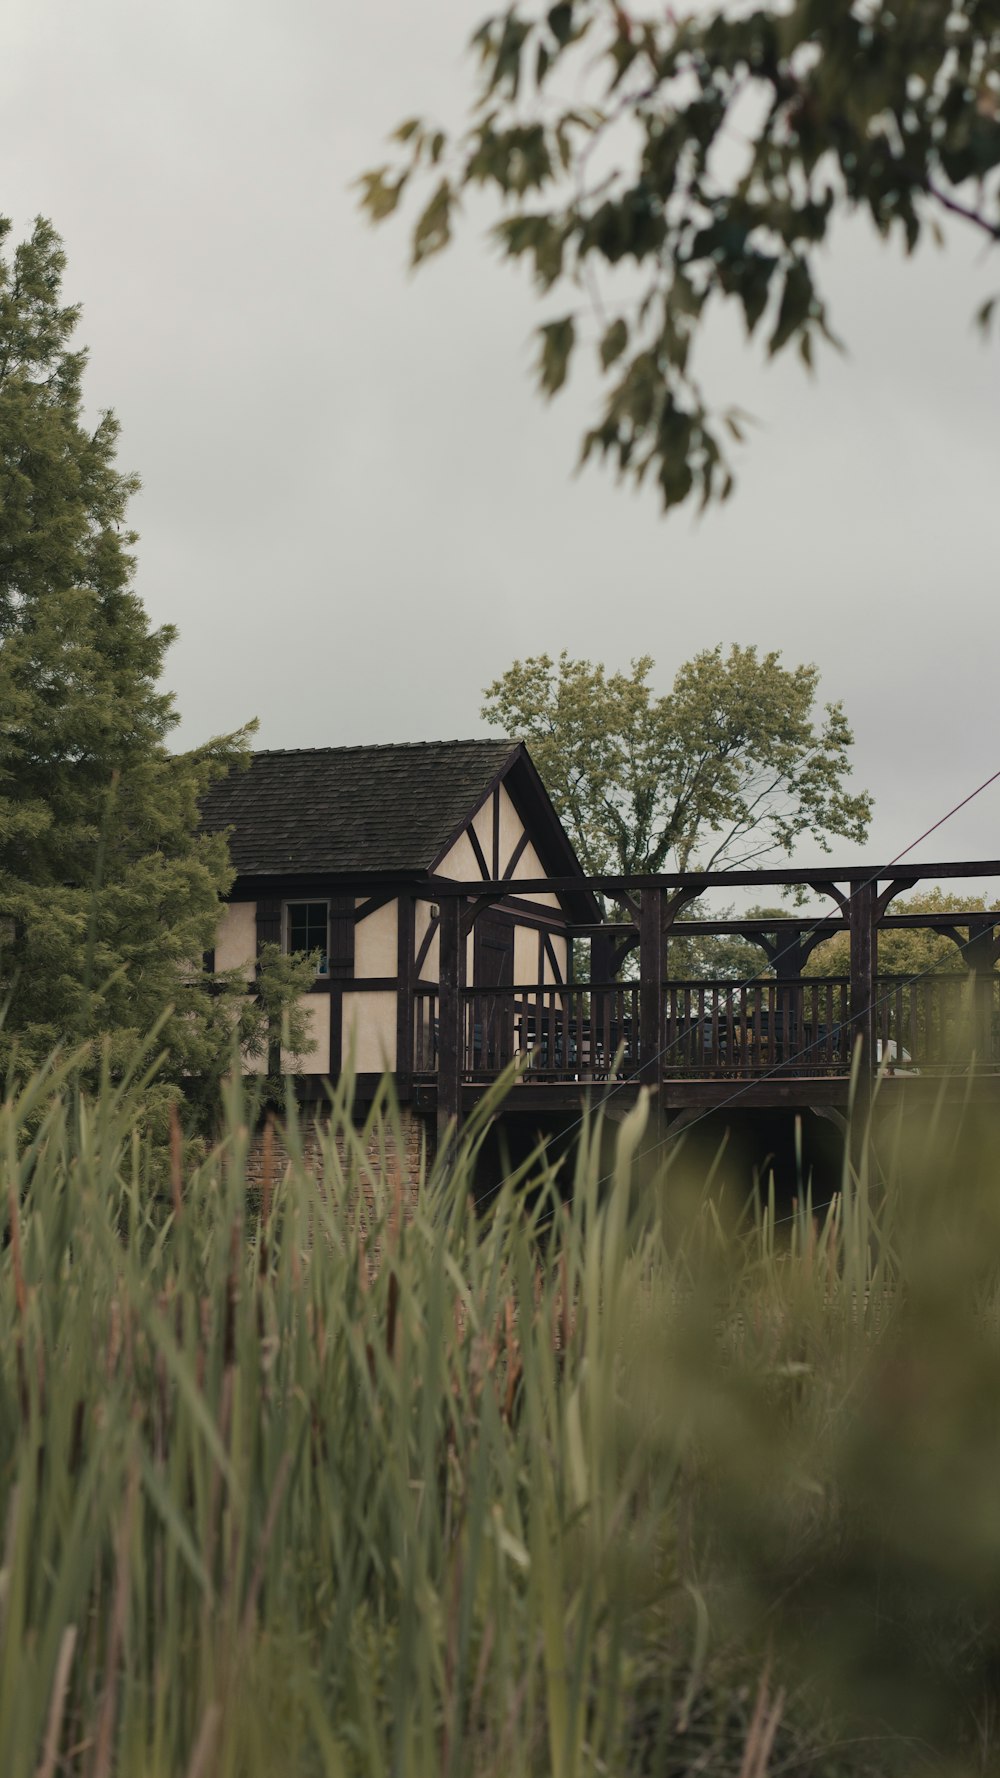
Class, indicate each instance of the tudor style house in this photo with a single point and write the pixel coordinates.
(333, 848)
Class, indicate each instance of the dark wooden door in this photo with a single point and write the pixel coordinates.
(492, 1035)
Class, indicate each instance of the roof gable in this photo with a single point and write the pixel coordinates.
(343, 811)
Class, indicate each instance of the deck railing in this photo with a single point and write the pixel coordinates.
(712, 1029)
(940, 1022)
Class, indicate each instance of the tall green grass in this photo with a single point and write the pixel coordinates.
(614, 1477)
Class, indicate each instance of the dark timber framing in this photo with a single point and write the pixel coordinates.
(790, 1074)
(780, 1037)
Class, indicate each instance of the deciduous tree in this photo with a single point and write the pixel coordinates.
(709, 155)
(730, 767)
(907, 951)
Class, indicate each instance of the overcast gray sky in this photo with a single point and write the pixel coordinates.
(355, 508)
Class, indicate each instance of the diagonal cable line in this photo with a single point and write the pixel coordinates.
(831, 915)
(796, 1056)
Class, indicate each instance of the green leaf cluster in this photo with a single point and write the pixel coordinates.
(731, 766)
(908, 951)
(735, 142)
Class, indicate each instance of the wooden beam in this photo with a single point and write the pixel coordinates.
(425, 944)
(372, 905)
(336, 1029)
(824, 887)
(602, 964)
(341, 966)
(825, 879)
(815, 928)
(621, 950)
(405, 945)
(517, 854)
(672, 905)
(471, 914)
(862, 1008)
(549, 951)
(652, 914)
(898, 886)
(451, 1022)
(480, 854)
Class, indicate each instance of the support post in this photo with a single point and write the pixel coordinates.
(652, 946)
(405, 936)
(651, 949)
(451, 1023)
(602, 957)
(862, 916)
(788, 957)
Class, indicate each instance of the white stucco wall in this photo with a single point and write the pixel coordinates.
(460, 863)
(370, 1025)
(375, 940)
(529, 864)
(526, 949)
(316, 1008)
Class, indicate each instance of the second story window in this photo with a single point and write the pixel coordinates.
(307, 927)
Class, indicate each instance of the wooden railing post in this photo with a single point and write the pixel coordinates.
(862, 914)
(405, 1003)
(652, 944)
(787, 958)
(451, 1022)
(602, 966)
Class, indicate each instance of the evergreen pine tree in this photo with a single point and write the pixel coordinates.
(109, 895)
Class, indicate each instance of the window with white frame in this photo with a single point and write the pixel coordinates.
(307, 928)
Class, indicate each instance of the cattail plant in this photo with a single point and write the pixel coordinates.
(604, 1476)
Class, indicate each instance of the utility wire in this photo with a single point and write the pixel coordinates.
(796, 1056)
(831, 915)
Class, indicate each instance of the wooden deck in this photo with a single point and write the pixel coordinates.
(781, 1039)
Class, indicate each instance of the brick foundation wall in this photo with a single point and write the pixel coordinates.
(398, 1168)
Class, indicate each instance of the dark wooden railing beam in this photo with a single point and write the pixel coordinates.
(652, 969)
(816, 927)
(898, 886)
(862, 1000)
(824, 878)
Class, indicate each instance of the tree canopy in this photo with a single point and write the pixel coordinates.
(109, 894)
(732, 766)
(907, 951)
(709, 156)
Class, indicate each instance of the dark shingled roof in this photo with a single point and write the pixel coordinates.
(346, 810)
